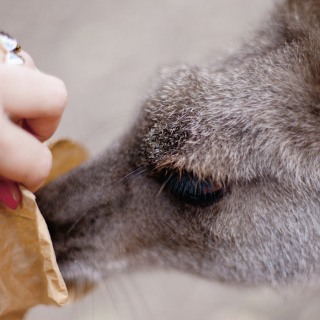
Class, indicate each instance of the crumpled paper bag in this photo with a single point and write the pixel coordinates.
(29, 274)
(66, 155)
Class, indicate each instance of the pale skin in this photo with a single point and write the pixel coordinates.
(31, 107)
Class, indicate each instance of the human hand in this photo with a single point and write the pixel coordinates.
(31, 106)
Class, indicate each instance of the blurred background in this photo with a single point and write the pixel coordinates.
(108, 52)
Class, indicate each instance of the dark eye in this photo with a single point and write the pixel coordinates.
(190, 189)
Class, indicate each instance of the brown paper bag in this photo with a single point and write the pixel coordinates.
(66, 155)
(29, 271)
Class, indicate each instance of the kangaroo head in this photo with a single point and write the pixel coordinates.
(218, 176)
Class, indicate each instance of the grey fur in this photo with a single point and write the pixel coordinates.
(249, 122)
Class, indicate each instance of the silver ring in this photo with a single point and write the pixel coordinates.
(11, 49)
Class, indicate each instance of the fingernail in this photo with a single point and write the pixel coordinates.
(10, 194)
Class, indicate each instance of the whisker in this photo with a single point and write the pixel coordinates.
(136, 176)
(111, 187)
(104, 280)
(137, 289)
(127, 297)
(128, 175)
(105, 127)
(164, 184)
(76, 222)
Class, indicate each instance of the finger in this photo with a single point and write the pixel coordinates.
(28, 93)
(22, 157)
(42, 128)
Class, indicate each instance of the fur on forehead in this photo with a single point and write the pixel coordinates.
(212, 122)
(183, 99)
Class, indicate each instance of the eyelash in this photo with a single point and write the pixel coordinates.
(189, 189)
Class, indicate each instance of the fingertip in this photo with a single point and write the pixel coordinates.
(47, 161)
(58, 96)
(44, 168)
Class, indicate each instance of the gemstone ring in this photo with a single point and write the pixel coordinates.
(11, 49)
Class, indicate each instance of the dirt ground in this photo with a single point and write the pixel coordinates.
(108, 52)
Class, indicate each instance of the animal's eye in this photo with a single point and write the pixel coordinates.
(192, 190)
